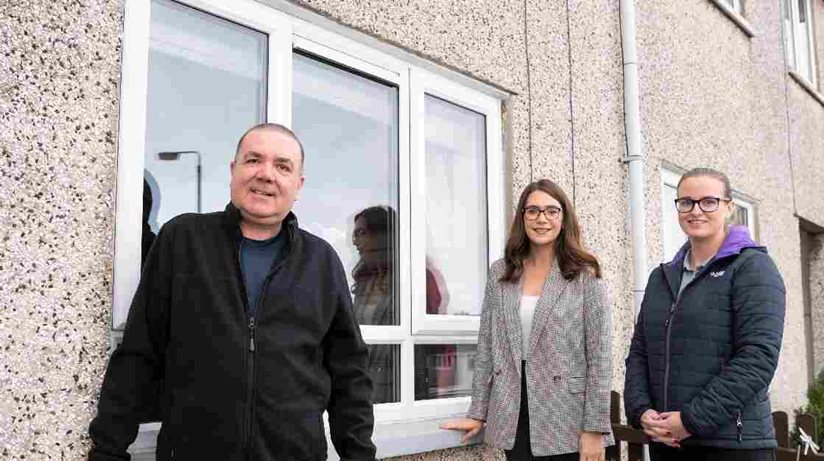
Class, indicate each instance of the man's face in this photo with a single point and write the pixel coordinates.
(266, 177)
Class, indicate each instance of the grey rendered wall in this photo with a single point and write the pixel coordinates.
(59, 68)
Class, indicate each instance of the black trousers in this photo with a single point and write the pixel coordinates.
(522, 451)
(661, 452)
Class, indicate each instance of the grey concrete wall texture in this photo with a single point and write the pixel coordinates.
(59, 70)
(710, 96)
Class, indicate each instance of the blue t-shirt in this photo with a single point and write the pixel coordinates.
(256, 260)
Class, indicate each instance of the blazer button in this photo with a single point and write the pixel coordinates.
(556, 378)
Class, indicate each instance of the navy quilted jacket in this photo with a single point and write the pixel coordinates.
(710, 353)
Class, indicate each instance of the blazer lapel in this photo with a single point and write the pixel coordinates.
(512, 317)
(550, 293)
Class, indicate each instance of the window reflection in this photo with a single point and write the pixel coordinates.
(373, 288)
(443, 370)
(349, 127)
(206, 85)
(385, 371)
(456, 240)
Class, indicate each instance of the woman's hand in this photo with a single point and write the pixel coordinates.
(592, 446)
(653, 425)
(470, 426)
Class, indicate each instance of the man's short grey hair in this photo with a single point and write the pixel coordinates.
(276, 127)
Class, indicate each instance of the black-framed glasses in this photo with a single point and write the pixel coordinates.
(706, 204)
(551, 212)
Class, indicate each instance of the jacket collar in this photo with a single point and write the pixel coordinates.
(232, 214)
(737, 240)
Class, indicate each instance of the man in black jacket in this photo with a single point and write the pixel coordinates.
(247, 321)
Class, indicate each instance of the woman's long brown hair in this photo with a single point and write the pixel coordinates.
(569, 250)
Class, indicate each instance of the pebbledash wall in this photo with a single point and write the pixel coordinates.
(715, 90)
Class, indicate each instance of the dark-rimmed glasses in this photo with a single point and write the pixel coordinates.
(706, 204)
(552, 213)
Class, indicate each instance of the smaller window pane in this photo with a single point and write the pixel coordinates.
(740, 216)
(734, 4)
(385, 370)
(443, 370)
(789, 39)
(674, 237)
(800, 36)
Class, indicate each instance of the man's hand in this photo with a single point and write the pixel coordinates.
(470, 426)
(592, 446)
(651, 423)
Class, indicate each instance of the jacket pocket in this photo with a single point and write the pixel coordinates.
(576, 384)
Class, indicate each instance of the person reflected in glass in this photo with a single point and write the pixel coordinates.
(147, 235)
(373, 274)
(542, 369)
(373, 291)
(708, 336)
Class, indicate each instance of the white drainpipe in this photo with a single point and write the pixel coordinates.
(635, 158)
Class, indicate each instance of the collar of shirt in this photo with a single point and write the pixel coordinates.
(698, 267)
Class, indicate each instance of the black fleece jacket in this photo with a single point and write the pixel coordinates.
(236, 387)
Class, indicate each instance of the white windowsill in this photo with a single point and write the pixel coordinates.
(735, 17)
(391, 438)
(807, 86)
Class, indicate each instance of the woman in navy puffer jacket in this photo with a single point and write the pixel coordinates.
(708, 335)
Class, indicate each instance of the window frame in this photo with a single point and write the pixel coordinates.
(735, 12)
(424, 83)
(795, 35)
(414, 78)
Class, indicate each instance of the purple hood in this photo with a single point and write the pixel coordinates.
(738, 238)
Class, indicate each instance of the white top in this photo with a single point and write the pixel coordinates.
(528, 304)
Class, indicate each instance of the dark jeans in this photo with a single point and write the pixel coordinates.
(660, 452)
(522, 451)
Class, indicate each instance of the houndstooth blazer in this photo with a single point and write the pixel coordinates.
(568, 370)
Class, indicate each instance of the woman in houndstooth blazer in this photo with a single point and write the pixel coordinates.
(542, 370)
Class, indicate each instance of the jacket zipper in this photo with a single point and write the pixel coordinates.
(740, 426)
(250, 393)
(668, 329)
(250, 386)
(668, 326)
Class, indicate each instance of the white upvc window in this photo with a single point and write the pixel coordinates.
(672, 236)
(798, 38)
(735, 5)
(404, 178)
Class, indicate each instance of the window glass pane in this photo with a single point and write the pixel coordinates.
(802, 43)
(385, 370)
(734, 4)
(789, 39)
(443, 370)
(674, 237)
(206, 86)
(456, 225)
(349, 127)
(740, 216)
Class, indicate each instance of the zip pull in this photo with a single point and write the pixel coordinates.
(251, 334)
(739, 425)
